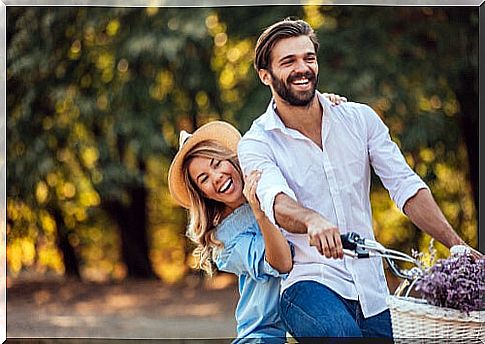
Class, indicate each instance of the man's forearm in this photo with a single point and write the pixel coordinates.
(290, 215)
(295, 218)
(423, 211)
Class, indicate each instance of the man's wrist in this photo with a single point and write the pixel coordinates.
(457, 241)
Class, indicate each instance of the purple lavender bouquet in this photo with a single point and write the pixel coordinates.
(457, 282)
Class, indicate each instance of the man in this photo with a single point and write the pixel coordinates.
(315, 184)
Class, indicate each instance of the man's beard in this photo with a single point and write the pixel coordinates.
(295, 98)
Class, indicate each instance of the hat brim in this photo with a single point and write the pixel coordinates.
(221, 132)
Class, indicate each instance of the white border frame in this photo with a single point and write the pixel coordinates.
(142, 3)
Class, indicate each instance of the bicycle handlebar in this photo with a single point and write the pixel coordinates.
(366, 248)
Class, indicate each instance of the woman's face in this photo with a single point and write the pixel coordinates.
(218, 180)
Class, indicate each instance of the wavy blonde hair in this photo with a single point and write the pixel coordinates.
(205, 213)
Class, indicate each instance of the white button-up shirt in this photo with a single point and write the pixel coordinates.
(335, 182)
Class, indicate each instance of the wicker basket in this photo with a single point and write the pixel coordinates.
(413, 318)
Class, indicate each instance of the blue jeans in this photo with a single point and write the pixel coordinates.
(310, 309)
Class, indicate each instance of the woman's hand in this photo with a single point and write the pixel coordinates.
(335, 99)
(277, 249)
(249, 191)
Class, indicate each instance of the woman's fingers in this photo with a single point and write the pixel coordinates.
(250, 186)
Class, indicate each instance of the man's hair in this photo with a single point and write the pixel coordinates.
(286, 28)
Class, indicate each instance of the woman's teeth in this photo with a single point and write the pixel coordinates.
(226, 185)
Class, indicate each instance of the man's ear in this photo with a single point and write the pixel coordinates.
(265, 76)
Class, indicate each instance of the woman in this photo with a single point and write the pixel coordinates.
(229, 227)
(205, 177)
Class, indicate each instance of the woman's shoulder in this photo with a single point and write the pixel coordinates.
(239, 221)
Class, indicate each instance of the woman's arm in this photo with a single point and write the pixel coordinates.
(277, 249)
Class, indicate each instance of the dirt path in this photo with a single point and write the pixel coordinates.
(129, 309)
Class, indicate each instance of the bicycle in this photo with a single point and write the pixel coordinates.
(414, 318)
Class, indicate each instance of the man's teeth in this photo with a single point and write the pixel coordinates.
(226, 185)
(301, 81)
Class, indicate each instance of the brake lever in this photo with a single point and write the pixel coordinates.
(352, 241)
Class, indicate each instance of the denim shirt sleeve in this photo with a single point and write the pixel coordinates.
(246, 255)
(244, 249)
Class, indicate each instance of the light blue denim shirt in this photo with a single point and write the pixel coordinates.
(257, 312)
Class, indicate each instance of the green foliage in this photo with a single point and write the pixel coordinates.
(96, 98)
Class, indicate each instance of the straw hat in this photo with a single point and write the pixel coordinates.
(221, 132)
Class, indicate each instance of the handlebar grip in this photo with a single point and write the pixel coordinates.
(349, 240)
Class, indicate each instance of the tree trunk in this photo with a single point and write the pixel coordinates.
(69, 257)
(132, 222)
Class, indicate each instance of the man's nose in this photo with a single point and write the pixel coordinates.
(300, 66)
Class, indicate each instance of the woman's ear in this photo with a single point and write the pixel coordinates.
(265, 76)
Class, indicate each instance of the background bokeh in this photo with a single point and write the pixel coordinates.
(96, 98)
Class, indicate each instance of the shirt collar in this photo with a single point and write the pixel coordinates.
(273, 121)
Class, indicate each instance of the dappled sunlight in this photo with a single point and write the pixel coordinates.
(84, 308)
(220, 281)
(391, 227)
(96, 245)
(73, 321)
(120, 301)
(101, 95)
(42, 296)
(203, 310)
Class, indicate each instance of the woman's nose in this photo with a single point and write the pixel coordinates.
(218, 178)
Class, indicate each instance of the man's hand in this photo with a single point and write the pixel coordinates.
(464, 248)
(325, 237)
(295, 218)
(476, 255)
(335, 99)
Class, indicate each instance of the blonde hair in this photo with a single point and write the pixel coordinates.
(205, 213)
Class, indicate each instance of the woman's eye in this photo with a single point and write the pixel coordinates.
(218, 163)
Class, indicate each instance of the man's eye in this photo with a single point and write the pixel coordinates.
(218, 163)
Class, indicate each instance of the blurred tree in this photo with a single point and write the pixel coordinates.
(91, 92)
(96, 98)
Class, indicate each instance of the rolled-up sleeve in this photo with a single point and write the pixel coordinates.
(388, 162)
(255, 154)
(245, 254)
